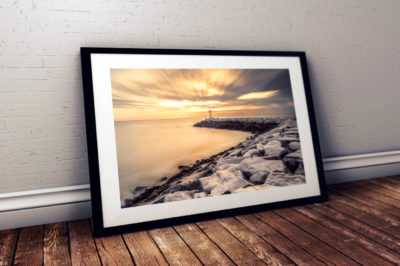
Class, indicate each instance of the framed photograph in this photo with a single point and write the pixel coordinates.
(184, 135)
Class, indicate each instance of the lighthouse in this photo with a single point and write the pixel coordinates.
(209, 114)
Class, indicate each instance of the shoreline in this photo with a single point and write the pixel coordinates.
(244, 167)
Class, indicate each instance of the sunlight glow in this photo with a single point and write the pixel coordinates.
(258, 95)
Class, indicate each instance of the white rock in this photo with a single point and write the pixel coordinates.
(250, 166)
(284, 179)
(251, 153)
(179, 195)
(209, 183)
(200, 195)
(252, 188)
(273, 149)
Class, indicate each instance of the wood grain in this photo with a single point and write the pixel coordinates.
(207, 252)
(351, 235)
(333, 239)
(143, 249)
(360, 227)
(364, 199)
(55, 250)
(312, 244)
(112, 251)
(172, 246)
(8, 243)
(83, 248)
(238, 252)
(391, 227)
(30, 246)
(360, 224)
(294, 252)
(260, 247)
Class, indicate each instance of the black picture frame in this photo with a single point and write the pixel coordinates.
(98, 213)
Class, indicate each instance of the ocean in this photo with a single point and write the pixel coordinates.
(149, 150)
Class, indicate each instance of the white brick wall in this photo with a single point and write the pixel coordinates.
(353, 49)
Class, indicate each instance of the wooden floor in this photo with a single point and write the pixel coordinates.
(360, 224)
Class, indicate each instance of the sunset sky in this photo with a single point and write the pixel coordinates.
(147, 94)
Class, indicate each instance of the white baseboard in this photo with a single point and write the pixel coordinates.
(27, 208)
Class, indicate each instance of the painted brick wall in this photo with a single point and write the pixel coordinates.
(353, 49)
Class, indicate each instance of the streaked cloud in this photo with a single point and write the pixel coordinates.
(258, 95)
(142, 94)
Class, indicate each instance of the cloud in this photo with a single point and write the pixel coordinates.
(258, 95)
(176, 93)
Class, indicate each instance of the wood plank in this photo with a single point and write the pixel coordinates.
(112, 251)
(83, 248)
(294, 252)
(55, 250)
(350, 188)
(256, 244)
(391, 227)
(207, 252)
(172, 246)
(8, 243)
(238, 252)
(143, 249)
(360, 227)
(393, 220)
(377, 187)
(312, 244)
(30, 246)
(367, 201)
(351, 235)
(387, 183)
(333, 239)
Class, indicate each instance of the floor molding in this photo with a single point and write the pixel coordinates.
(18, 209)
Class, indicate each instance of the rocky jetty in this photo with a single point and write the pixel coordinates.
(255, 125)
(270, 157)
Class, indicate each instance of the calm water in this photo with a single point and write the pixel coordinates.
(150, 150)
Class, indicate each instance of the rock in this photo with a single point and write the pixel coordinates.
(183, 168)
(286, 140)
(294, 145)
(273, 149)
(180, 195)
(292, 160)
(182, 185)
(252, 153)
(259, 177)
(300, 169)
(228, 186)
(209, 183)
(236, 152)
(252, 188)
(199, 195)
(250, 166)
(276, 179)
(260, 148)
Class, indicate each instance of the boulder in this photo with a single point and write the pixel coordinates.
(251, 166)
(209, 183)
(273, 149)
(284, 179)
(300, 169)
(252, 153)
(292, 160)
(227, 186)
(199, 195)
(294, 145)
(260, 148)
(180, 195)
(252, 188)
(259, 177)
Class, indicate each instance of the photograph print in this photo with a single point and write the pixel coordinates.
(189, 133)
